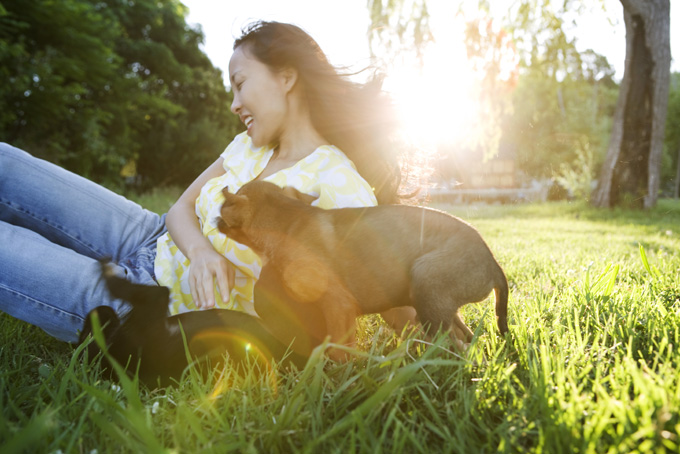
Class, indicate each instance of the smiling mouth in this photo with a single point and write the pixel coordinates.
(248, 121)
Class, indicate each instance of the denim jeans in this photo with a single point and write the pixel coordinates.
(55, 226)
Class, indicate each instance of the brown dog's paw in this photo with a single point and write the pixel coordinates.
(460, 345)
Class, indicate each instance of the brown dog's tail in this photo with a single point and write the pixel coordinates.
(501, 292)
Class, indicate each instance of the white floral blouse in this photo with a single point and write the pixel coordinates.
(326, 173)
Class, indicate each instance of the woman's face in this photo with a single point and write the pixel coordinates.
(260, 98)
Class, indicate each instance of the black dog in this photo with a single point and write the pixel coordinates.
(150, 341)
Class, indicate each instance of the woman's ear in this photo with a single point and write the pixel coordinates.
(289, 76)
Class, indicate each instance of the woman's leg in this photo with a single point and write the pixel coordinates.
(48, 285)
(72, 211)
(54, 227)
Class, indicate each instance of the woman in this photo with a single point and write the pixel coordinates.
(55, 226)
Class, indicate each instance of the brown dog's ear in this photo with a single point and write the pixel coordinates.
(230, 199)
(233, 212)
(297, 195)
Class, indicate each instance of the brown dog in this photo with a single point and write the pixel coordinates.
(354, 261)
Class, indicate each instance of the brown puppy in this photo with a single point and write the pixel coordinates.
(354, 261)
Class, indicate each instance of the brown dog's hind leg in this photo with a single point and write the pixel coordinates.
(461, 330)
(340, 309)
(434, 292)
(434, 312)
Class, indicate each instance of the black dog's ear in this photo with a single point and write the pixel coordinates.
(293, 193)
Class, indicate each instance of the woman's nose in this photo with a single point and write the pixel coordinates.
(236, 105)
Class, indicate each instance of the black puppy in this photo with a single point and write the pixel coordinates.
(149, 340)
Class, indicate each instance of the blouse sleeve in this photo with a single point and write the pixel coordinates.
(343, 187)
(235, 146)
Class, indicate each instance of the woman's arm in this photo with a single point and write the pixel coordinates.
(207, 265)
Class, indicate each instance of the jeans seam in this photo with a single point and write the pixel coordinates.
(69, 184)
(60, 228)
(41, 303)
(129, 219)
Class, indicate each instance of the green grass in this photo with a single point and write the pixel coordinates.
(159, 200)
(592, 365)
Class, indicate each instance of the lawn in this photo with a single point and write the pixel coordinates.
(591, 365)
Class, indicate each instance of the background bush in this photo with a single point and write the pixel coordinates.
(112, 88)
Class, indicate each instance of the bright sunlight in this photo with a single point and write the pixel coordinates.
(448, 99)
(436, 97)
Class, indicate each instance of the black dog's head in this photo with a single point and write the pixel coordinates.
(125, 337)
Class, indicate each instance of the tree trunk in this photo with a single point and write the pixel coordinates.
(676, 192)
(630, 174)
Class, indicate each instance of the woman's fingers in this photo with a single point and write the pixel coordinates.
(200, 283)
(225, 280)
(204, 276)
(208, 293)
(193, 287)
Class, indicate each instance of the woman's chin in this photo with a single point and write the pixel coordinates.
(257, 141)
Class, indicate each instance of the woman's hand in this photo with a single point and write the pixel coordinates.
(207, 268)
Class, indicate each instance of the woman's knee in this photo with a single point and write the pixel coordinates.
(7, 150)
(12, 166)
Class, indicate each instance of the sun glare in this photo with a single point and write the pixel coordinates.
(436, 95)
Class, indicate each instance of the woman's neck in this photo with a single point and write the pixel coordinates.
(299, 143)
(299, 137)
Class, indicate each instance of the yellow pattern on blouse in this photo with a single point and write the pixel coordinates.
(326, 173)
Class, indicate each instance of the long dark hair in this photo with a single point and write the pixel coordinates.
(358, 118)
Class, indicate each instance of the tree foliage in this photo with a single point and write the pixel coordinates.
(550, 108)
(397, 27)
(565, 99)
(111, 86)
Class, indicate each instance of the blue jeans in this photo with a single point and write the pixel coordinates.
(54, 228)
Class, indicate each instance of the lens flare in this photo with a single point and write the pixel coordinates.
(238, 350)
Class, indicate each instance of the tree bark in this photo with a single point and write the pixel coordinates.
(631, 171)
(676, 192)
